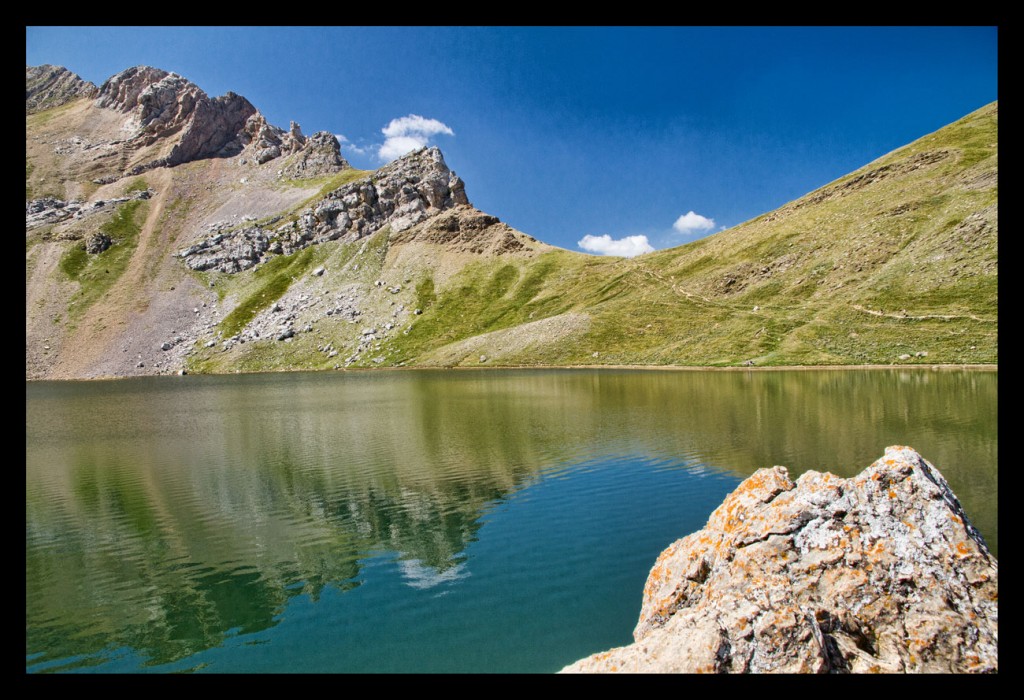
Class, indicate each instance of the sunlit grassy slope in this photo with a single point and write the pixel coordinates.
(897, 258)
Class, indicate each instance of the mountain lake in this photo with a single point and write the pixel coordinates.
(423, 521)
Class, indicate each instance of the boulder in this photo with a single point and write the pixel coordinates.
(97, 243)
(881, 572)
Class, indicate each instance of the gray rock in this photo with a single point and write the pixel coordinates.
(318, 271)
(904, 356)
(881, 572)
(399, 195)
(166, 346)
(320, 155)
(50, 210)
(97, 243)
(263, 155)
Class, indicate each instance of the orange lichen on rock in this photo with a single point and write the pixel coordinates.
(825, 574)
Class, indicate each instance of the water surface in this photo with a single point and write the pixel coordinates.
(425, 520)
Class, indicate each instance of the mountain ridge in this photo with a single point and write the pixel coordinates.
(395, 267)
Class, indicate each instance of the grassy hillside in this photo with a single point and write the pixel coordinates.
(894, 263)
(897, 258)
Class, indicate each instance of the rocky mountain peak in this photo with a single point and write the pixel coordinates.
(161, 105)
(123, 91)
(49, 86)
(425, 172)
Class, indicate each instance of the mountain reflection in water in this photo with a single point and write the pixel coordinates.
(167, 517)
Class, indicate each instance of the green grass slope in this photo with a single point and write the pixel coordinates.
(894, 263)
(896, 259)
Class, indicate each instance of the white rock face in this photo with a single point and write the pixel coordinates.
(881, 572)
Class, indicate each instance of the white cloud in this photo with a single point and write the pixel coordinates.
(398, 146)
(415, 124)
(627, 247)
(692, 222)
(406, 134)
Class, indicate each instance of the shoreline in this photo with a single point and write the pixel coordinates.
(641, 368)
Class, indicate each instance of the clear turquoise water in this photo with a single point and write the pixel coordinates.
(488, 521)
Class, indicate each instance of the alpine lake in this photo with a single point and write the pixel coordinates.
(423, 521)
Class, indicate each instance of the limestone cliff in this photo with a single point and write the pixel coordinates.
(186, 124)
(881, 572)
(399, 195)
(161, 105)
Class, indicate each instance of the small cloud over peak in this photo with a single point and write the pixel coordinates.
(415, 124)
(627, 247)
(408, 133)
(692, 222)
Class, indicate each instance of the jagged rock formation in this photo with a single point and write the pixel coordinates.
(49, 86)
(161, 105)
(320, 155)
(266, 141)
(882, 572)
(399, 195)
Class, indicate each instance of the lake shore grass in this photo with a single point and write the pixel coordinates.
(643, 368)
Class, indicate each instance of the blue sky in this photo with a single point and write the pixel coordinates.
(602, 135)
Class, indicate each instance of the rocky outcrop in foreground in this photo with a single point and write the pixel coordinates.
(881, 572)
